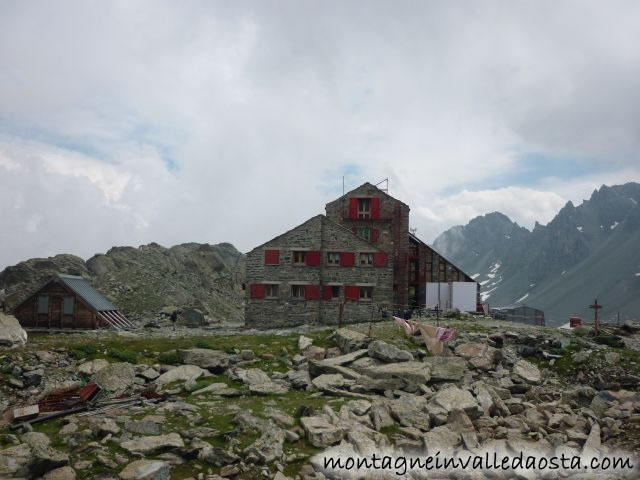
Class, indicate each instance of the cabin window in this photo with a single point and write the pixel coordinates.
(335, 291)
(43, 304)
(68, 305)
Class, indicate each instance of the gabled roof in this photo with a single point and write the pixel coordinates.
(89, 294)
(368, 185)
(81, 287)
(416, 239)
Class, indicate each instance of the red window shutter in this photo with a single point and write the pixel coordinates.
(313, 258)
(347, 259)
(375, 208)
(257, 290)
(312, 292)
(326, 292)
(353, 208)
(380, 259)
(374, 235)
(272, 257)
(351, 292)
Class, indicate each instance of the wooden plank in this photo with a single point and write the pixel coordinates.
(26, 413)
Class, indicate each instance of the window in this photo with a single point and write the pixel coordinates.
(271, 291)
(43, 304)
(299, 258)
(335, 291)
(366, 259)
(297, 291)
(68, 306)
(364, 232)
(366, 293)
(333, 258)
(364, 208)
(271, 257)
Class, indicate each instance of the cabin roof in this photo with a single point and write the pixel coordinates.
(89, 294)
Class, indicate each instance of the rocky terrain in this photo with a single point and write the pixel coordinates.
(586, 251)
(264, 406)
(145, 281)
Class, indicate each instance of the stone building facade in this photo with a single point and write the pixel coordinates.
(357, 263)
(312, 273)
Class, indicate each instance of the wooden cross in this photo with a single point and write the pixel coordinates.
(596, 307)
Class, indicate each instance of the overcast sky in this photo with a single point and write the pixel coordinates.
(127, 122)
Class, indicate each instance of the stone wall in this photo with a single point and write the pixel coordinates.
(393, 228)
(316, 234)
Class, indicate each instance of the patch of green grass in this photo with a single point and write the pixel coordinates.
(609, 340)
(123, 355)
(83, 350)
(169, 358)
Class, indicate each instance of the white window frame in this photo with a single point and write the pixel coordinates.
(368, 258)
(333, 258)
(364, 208)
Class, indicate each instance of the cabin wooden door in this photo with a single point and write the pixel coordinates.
(56, 311)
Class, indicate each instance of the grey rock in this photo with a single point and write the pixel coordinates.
(93, 366)
(452, 398)
(217, 456)
(304, 343)
(149, 374)
(151, 444)
(146, 470)
(11, 333)
(320, 432)
(221, 389)
(350, 340)
(182, 373)
(411, 411)
(268, 447)
(62, 473)
(527, 371)
(388, 353)
(142, 427)
(46, 459)
(213, 360)
(446, 369)
(116, 378)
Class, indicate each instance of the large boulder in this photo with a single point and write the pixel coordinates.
(388, 353)
(268, 447)
(320, 432)
(116, 378)
(454, 398)
(182, 373)
(446, 369)
(527, 371)
(151, 444)
(213, 360)
(479, 355)
(258, 381)
(416, 373)
(93, 366)
(11, 333)
(350, 340)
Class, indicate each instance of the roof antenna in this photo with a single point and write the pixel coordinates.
(386, 188)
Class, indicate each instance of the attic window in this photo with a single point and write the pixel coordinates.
(299, 258)
(364, 208)
(43, 304)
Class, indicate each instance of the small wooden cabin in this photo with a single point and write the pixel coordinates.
(68, 302)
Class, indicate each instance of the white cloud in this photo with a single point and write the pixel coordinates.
(256, 109)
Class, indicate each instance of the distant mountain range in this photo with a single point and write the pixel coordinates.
(588, 251)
